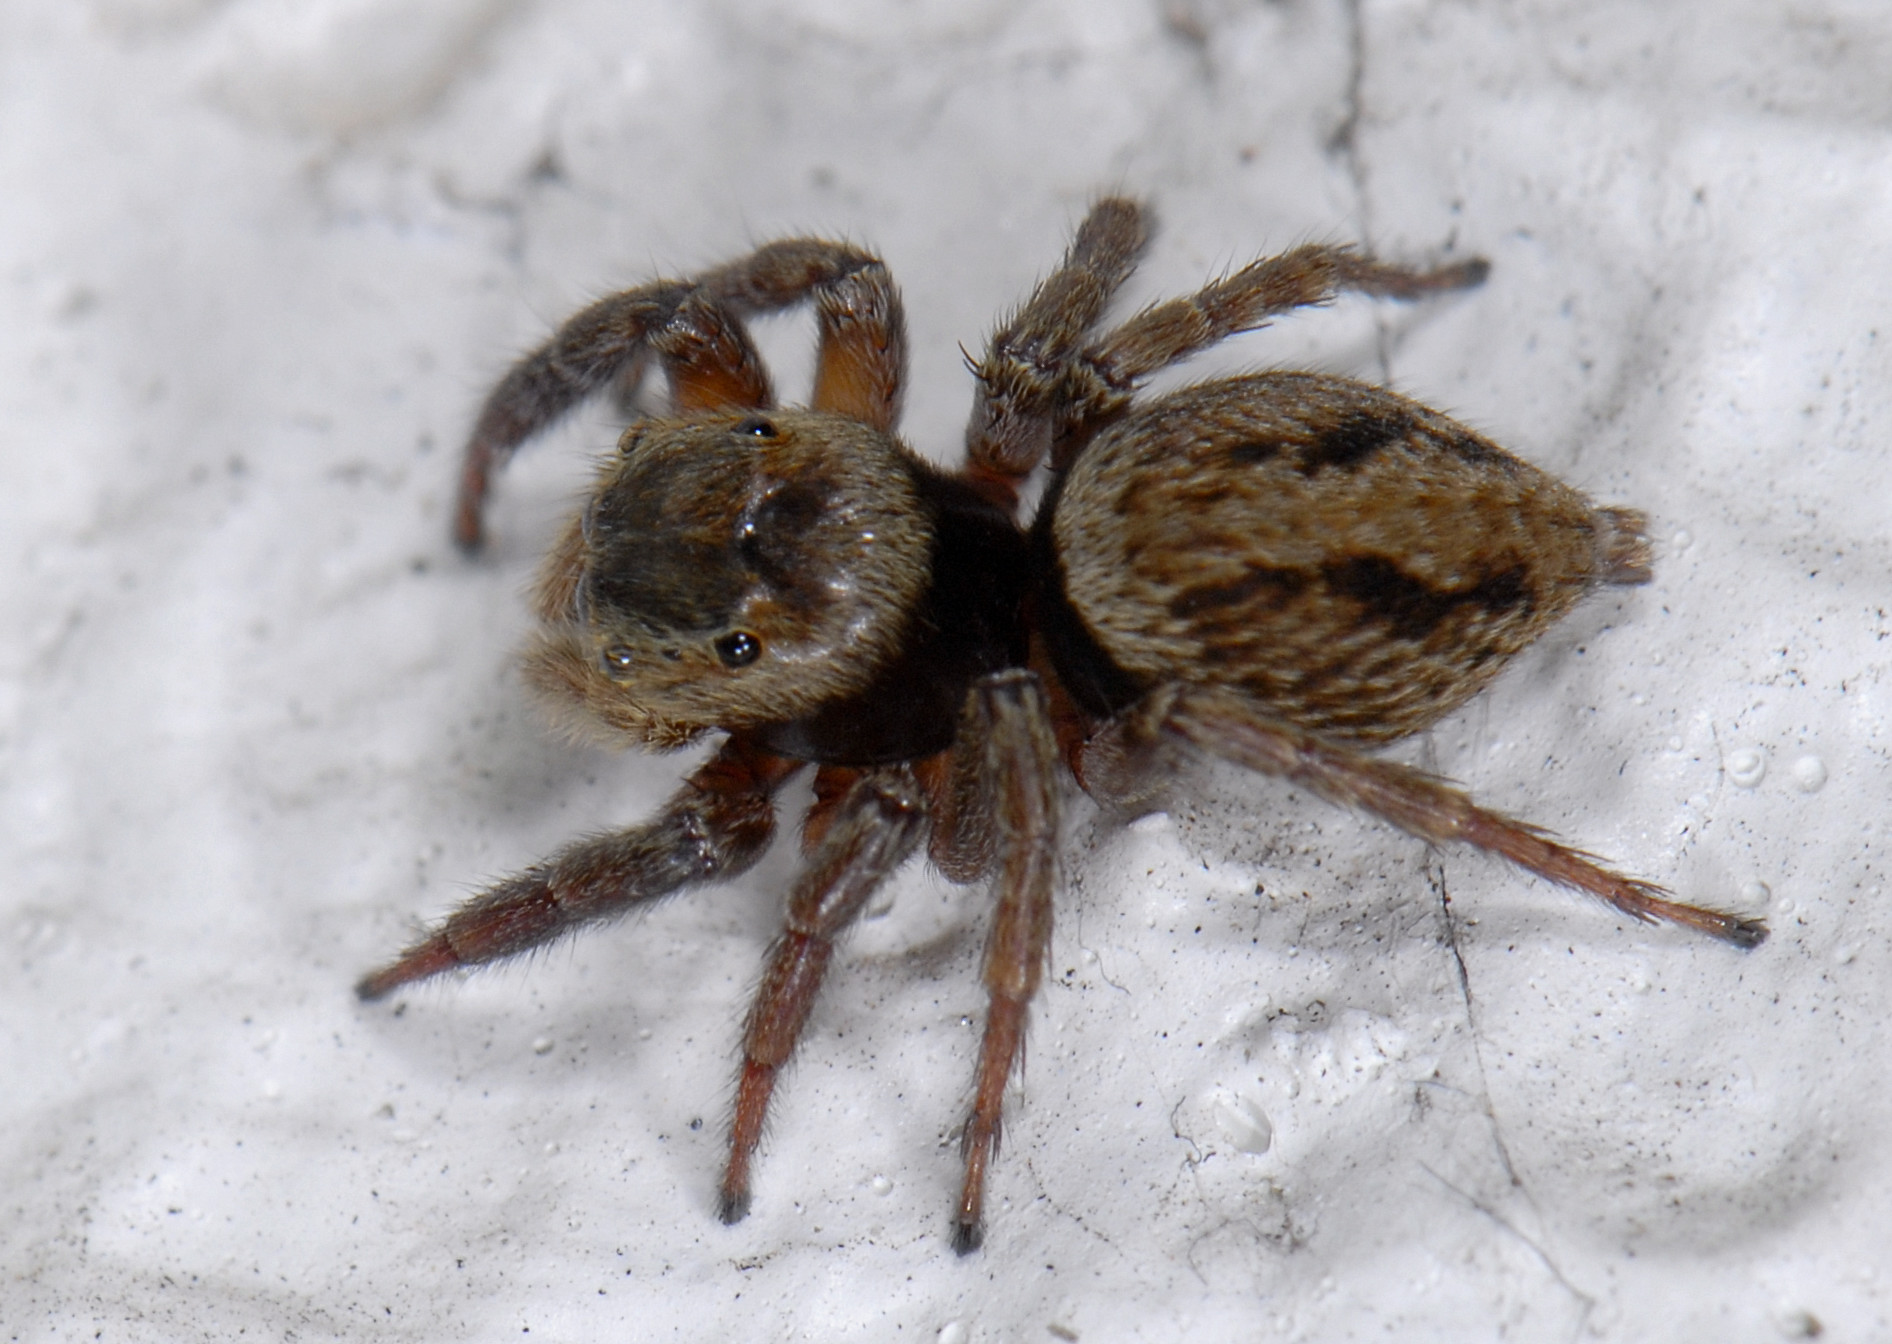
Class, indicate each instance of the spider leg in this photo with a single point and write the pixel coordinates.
(1100, 380)
(709, 355)
(1314, 274)
(716, 826)
(862, 358)
(1021, 377)
(867, 834)
(1012, 738)
(1227, 724)
(694, 327)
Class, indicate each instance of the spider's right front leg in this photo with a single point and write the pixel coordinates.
(695, 329)
(716, 826)
(709, 356)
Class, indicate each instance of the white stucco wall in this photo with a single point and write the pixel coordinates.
(259, 261)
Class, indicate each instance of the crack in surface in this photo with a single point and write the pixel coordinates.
(1435, 871)
(1587, 1303)
(1345, 144)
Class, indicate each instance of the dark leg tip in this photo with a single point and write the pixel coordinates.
(429, 957)
(967, 1237)
(468, 535)
(1473, 273)
(376, 986)
(1746, 934)
(732, 1206)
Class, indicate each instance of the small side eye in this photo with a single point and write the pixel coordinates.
(618, 660)
(757, 426)
(738, 649)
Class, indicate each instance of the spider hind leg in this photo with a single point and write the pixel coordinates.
(1234, 727)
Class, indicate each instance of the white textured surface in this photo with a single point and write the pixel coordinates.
(261, 259)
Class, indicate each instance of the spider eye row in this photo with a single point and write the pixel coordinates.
(738, 648)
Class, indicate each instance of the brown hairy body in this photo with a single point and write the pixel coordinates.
(1280, 570)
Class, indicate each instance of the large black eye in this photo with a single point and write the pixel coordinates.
(757, 426)
(618, 660)
(738, 649)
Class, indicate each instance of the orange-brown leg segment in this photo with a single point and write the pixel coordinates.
(717, 825)
(1231, 726)
(1018, 770)
(867, 835)
(711, 362)
(862, 360)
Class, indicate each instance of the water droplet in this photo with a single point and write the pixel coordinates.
(1747, 766)
(1809, 772)
(542, 1046)
(1244, 1124)
(880, 1185)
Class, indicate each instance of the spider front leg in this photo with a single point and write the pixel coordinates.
(1228, 724)
(1009, 732)
(710, 359)
(867, 834)
(716, 826)
(695, 330)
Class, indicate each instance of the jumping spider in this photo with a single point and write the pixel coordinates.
(1283, 570)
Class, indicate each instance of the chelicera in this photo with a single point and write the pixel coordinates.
(1283, 570)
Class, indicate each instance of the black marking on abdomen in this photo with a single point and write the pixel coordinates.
(1255, 453)
(1413, 608)
(1352, 439)
(1284, 584)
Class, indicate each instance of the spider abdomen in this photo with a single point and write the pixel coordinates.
(1359, 564)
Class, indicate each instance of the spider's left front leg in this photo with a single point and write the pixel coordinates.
(866, 833)
(1014, 759)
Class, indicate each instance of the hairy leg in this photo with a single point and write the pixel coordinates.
(1246, 300)
(1021, 394)
(867, 834)
(1018, 756)
(861, 363)
(694, 327)
(1227, 724)
(717, 825)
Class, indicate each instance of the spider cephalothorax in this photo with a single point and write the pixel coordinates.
(1278, 569)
